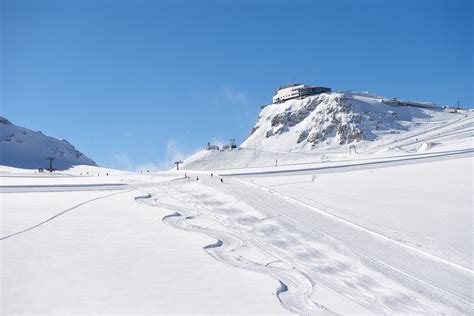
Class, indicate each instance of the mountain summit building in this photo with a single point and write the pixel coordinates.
(297, 90)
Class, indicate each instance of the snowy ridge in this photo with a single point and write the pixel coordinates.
(24, 148)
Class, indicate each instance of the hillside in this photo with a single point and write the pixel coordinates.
(24, 148)
(331, 126)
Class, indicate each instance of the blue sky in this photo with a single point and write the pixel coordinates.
(136, 84)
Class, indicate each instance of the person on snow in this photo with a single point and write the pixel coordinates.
(222, 181)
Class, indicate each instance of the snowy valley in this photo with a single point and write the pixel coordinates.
(337, 203)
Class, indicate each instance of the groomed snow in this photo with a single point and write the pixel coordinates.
(425, 205)
(374, 239)
(114, 255)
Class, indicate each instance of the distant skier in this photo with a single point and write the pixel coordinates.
(197, 178)
(222, 181)
(212, 175)
(185, 175)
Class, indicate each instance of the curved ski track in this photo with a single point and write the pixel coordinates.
(62, 213)
(295, 288)
(313, 259)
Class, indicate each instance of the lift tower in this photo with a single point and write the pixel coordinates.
(177, 164)
(50, 169)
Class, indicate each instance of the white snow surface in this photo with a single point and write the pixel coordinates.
(277, 226)
(102, 252)
(391, 239)
(24, 148)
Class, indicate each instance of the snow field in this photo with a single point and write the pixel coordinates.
(407, 203)
(114, 255)
(338, 279)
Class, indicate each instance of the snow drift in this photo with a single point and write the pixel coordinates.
(24, 148)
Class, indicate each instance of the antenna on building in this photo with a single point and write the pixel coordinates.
(458, 104)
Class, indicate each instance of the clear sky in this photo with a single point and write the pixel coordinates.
(134, 84)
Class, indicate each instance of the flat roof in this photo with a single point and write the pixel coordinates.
(289, 86)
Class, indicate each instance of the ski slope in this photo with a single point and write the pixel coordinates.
(382, 238)
(384, 229)
(362, 259)
(315, 227)
(102, 252)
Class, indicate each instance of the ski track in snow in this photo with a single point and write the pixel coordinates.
(415, 159)
(346, 222)
(62, 213)
(295, 288)
(440, 130)
(434, 289)
(310, 259)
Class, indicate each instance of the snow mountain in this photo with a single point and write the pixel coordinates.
(329, 120)
(24, 148)
(329, 125)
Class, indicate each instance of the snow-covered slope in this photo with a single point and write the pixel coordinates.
(24, 148)
(326, 126)
(385, 231)
(332, 119)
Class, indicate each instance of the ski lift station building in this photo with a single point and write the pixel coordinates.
(297, 90)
